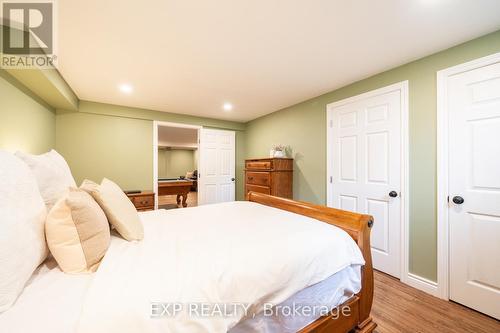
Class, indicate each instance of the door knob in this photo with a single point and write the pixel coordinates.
(232, 179)
(393, 194)
(458, 200)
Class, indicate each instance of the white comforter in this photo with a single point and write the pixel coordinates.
(238, 252)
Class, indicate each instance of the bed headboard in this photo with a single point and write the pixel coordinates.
(358, 226)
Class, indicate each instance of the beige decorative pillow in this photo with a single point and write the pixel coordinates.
(77, 232)
(118, 208)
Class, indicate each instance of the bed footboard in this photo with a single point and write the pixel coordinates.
(358, 227)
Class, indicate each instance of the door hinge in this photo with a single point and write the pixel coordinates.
(331, 179)
(331, 123)
(448, 199)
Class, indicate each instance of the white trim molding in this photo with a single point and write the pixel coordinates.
(443, 166)
(421, 283)
(155, 162)
(403, 87)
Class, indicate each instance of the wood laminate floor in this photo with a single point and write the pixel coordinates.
(169, 201)
(398, 308)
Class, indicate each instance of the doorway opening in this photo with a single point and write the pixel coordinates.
(175, 165)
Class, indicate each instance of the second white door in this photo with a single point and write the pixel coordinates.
(216, 177)
(365, 149)
(474, 187)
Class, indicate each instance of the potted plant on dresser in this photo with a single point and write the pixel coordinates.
(278, 151)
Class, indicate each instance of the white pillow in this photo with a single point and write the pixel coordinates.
(119, 210)
(22, 218)
(52, 175)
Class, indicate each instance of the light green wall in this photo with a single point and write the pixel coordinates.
(26, 122)
(96, 146)
(195, 158)
(103, 140)
(176, 162)
(303, 126)
(162, 163)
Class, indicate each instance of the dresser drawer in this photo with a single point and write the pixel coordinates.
(141, 202)
(258, 178)
(258, 165)
(258, 188)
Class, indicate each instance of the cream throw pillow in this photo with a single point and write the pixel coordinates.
(77, 232)
(52, 175)
(118, 208)
(22, 238)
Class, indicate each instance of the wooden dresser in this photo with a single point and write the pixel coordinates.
(144, 200)
(272, 176)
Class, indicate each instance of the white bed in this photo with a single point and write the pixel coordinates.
(53, 301)
(50, 302)
(179, 246)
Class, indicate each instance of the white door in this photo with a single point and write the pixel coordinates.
(474, 178)
(365, 146)
(216, 177)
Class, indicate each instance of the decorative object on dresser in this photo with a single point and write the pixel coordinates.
(278, 151)
(272, 176)
(142, 200)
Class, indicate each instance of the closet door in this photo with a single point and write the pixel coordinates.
(474, 188)
(365, 146)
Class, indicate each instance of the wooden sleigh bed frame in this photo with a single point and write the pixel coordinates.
(358, 226)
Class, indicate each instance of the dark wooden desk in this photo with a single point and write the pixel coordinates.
(179, 187)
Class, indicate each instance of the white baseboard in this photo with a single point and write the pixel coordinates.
(422, 284)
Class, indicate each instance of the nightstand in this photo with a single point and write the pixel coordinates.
(144, 200)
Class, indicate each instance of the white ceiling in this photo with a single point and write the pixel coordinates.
(177, 137)
(190, 57)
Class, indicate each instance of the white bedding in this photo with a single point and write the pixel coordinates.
(328, 293)
(231, 253)
(53, 301)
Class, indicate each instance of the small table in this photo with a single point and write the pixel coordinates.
(142, 200)
(179, 187)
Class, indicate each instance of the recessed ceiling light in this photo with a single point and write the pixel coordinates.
(126, 88)
(227, 106)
